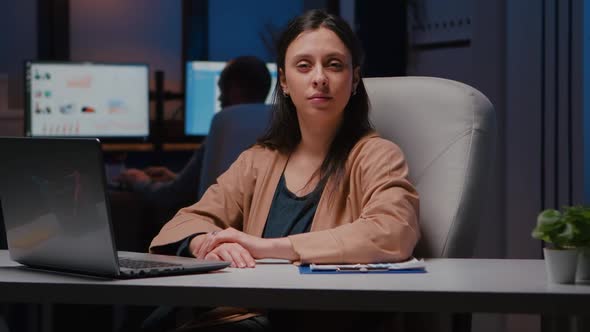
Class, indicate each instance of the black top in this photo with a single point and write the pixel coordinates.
(290, 214)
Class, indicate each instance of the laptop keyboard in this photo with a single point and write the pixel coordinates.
(141, 264)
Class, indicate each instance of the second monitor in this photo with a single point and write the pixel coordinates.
(83, 99)
(202, 94)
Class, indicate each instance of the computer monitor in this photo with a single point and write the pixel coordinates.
(202, 94)
(109, 101)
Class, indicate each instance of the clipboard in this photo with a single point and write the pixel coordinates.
(412, 265)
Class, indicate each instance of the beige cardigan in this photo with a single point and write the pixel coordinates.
(373, 217)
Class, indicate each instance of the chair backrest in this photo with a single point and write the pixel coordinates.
(447, 131)
(232, 131)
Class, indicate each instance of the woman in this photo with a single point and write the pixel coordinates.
(320, 186)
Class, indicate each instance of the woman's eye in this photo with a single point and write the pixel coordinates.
(303, 66)
(335, 65)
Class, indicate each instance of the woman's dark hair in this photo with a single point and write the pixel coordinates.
(284, 133)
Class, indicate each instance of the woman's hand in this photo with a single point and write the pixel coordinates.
(232, 252)
(257, 247)
(196, 243)
(212, 240)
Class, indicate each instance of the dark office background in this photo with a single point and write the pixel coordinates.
(527, 58)
(530, 58)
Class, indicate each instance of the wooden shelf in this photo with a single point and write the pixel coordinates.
(148, 147)
(128, 147)
(180, 146)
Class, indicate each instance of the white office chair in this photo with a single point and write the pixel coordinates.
(447, 131)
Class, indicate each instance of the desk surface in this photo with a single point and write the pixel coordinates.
(451, 285)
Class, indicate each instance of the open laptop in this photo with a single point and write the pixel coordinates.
(57, 216)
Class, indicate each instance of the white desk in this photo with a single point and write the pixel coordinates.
(451, 285)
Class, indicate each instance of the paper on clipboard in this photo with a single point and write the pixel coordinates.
(411, 264)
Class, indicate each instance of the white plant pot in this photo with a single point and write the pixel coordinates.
(561, 265)
(583, 269)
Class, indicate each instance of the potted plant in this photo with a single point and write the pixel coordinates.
(560, 231)
(579, 217)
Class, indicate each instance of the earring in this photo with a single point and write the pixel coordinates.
(285, 94)
(354, 92)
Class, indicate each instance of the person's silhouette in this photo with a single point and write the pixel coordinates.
(244, 80)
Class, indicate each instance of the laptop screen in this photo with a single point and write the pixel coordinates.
(54, 204)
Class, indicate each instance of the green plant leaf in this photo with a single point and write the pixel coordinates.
(566, 236)
(548, 217)
(569, 227)
(548, 226)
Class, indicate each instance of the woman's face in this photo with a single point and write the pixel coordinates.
(319, 76)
